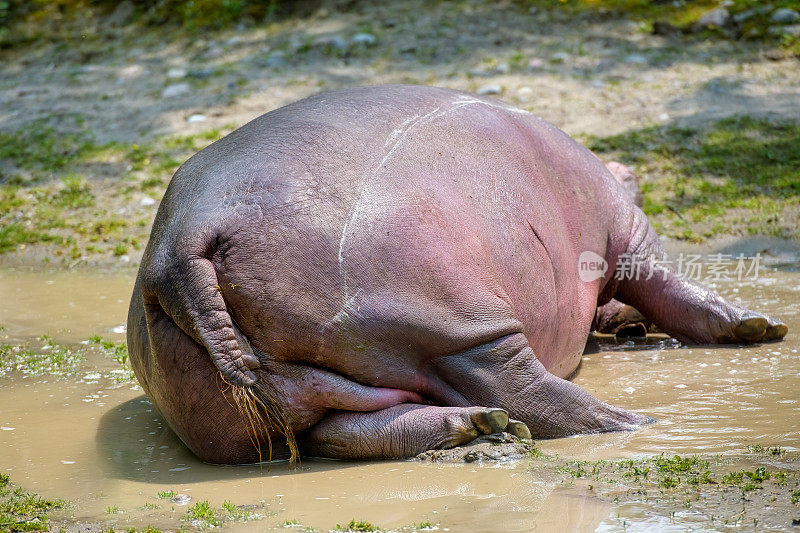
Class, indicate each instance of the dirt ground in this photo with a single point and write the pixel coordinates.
(121, 91)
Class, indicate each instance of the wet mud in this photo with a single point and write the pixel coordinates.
(95, 440)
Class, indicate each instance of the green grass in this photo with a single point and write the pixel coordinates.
(75, 193)
(48, 199)
(49, 358)
(203, 514)
(39, 147)
(239, 513)
(738, 176)
(164, 494)
(683, 15)
(23, 511)
(357, 525)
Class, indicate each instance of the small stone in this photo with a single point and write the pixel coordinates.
(535, 63)
(638, 59)
(147, 201)
(131, 72)
(559, 57)
(663, 117)
(274, 60)
(364, 38)
(599, 84)
(234, 41)
(197, 117)
(175, 73)
(524, 94)
(491, 88)
(125, 258)
(478, 72)
(181, 499)
(716, 18)
(784, 16)
(793, 30)
(776, 54)
(176, 89)
(331, 41)
(502, 68)
(213, 51)
(201, 73)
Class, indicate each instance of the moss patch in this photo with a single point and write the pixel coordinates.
(23, 511)
(709, 487)
(738, 176)
(64, 193)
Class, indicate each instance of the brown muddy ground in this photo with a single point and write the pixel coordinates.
(587, 74)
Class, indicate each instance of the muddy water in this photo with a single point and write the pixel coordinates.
(101, 444)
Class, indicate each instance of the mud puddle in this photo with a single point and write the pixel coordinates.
(97, 441)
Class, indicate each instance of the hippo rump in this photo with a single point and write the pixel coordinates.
(378, 271)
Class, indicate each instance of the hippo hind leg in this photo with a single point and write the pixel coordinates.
(683, 308)
(520, 384)
(403, 430)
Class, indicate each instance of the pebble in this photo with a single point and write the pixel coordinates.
(175, 73)
(638, 59)
(793, 30)
(491, 88)
(559, 57)
(213, 52)
(718, 18)
(196, 118)
(147, 201)
(176, 89)
(784, 16)
(274, 60)
(201, 73)
(125, 258)
(524, 94)
(663, 117)
(334, 41)
(364, 38)
(131, 72)
(502, 68)
(181, 499)
(535, 63)
(597, 83)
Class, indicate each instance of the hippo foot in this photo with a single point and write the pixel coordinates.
(753, 327)
(405, 430)
(489, 421)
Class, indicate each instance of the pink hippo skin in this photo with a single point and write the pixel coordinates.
(378, 271)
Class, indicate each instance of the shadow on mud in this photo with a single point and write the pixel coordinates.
(135, 443)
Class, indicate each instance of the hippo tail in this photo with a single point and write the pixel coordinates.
(185, 286)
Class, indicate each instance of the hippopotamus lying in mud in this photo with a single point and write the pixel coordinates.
(379, 271)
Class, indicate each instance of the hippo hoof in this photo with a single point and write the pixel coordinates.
(631, 330)
(490, 421)
(776, 330)
(751, 329)
(518, 429)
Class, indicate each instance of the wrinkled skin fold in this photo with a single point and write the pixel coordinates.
(375, 272)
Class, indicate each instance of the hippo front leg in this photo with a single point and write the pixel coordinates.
(404, 430)
(505, 373)
(681, 307)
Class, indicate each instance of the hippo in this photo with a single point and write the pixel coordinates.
(375, 272)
